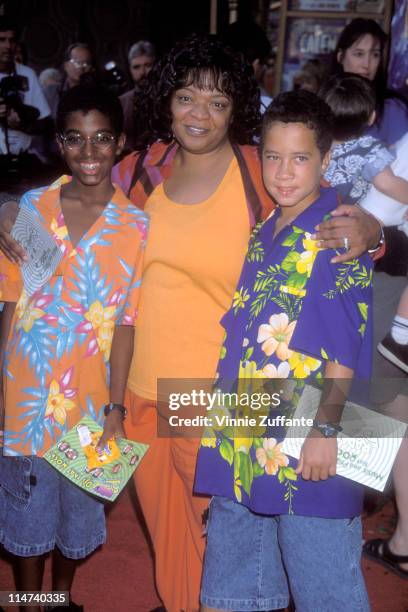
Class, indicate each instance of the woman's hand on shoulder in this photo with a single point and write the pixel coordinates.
(362, 231)
(12, 249)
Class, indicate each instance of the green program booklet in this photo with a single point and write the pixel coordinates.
(104, 473)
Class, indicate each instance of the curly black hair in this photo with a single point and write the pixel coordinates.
(305, 107)
(205, 62)
(88, 97)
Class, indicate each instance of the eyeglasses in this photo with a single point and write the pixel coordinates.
(78, 64)
(102, 140)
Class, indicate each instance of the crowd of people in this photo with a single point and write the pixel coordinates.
(215, 251)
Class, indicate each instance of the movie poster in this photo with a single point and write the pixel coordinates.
(308, 39)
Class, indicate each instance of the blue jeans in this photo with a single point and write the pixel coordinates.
(253, 561)
(41, 509)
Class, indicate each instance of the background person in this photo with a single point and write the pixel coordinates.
(78, 61)
(23, 107)
(248, 38)
(141, 59)
(360, 50)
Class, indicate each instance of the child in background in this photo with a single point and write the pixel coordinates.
(362, 169)
(274, 520)
(358, 160)
(66, 349)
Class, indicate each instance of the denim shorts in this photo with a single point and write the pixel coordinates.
(41, 509)
(256, 562)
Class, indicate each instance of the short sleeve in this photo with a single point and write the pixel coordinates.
(35, 96)
(11, 284)
(376, 161)
(336, 316)
(130, 309)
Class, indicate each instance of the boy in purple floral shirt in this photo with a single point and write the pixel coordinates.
(274, 520)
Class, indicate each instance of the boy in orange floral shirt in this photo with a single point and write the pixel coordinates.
(66, 349)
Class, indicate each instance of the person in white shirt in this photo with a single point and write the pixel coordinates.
(19, 89)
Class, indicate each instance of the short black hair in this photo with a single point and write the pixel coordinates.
(205, 62)
(8, 25)
(352, 101)
(86, 98)
(305, 107)
(76, 45)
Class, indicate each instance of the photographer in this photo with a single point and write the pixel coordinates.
(23, 108)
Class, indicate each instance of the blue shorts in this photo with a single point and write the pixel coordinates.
(252, 561)
(41, 509)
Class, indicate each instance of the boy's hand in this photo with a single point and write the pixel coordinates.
(318, 458)
(12, 250)
(113, 428)
(362, 230)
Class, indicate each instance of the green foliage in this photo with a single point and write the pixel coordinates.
(255, 252)
(258, 470)
(290, 261)
(226, 451)
(246, 473)
(363, 308)
(297, 280)
(290, 304)
(351, 274)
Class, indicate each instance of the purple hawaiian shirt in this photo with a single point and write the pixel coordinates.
(292, 311)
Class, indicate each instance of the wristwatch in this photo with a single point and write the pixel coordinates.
(111, 406)
(328, 430)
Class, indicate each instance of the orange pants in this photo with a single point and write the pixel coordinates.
(164, 484)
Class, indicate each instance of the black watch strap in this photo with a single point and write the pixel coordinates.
(112, 406)
(328, 430)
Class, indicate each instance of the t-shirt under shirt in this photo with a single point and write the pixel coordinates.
(193, 258)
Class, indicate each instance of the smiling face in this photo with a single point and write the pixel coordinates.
(200, 118)
(363, 57)
(292, 165)
(90, 164)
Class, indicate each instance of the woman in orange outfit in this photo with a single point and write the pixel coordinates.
(203, 193)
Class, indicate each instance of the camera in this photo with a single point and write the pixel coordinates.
(114, 78)
(11, 88)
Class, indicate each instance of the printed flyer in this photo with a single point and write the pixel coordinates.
(44, 255)
(367, 446)
(103, 474)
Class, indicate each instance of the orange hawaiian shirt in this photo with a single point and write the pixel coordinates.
(56, 366)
